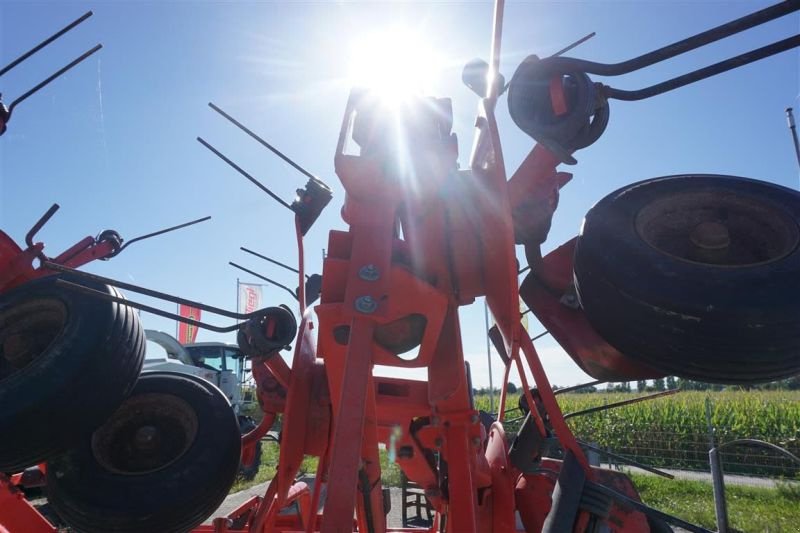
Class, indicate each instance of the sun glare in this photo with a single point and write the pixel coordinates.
(396, 63)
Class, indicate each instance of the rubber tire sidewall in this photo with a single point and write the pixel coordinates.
(176, 498)
(76, 382)
(743, 322)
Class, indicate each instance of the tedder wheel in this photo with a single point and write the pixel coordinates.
(697, 276)
(67, 361)
(163, 462)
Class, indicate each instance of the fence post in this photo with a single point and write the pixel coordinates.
(717, 476)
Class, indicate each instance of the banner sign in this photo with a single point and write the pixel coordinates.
(249, 297)
(187, 333)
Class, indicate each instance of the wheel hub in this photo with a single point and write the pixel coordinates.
(717, 228)
(147, 433)
(710, 236)
(28, 330)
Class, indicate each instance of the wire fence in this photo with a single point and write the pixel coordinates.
(689, 458)
(677, 437)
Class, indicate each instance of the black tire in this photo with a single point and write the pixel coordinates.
(697, 276)
(248, 472)
(67, 360)
(163, 462)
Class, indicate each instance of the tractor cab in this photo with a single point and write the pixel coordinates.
(216, 356)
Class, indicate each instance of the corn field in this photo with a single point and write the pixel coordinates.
(673, 432)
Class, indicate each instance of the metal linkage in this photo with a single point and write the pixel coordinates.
(148, 292)
(620, 404)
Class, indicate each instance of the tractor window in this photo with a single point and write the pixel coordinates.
(210, 357)
(233, 359)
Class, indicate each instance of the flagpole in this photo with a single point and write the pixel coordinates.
(489, 356)
(238, 291)
(177, 324)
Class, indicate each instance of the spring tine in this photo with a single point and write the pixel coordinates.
(58, 73)
(577, 387)
(703, 73)
(793, 132)
(620, 404)
(685, 45)
(120, 300)
(625, 460)
(573, 45)
(159, 232)
(262, 141)
(264, 257)
(149, 292)
(245, 174)
(44, 43)
(540, 335)
(284, 287)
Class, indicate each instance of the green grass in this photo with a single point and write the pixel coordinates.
(673, 432)
(269, 461)
(750, 509)
(390, 472)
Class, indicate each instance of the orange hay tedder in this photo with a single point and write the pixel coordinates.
(683, 275)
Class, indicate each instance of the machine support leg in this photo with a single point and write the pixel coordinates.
(349, 430)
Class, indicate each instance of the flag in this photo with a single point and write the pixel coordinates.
(187, 333)
(249, 297)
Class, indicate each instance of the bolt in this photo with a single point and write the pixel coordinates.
(434, 421)
(476, 441)
(438, 442)
(369, 273)
(366, 304)
(474, 419)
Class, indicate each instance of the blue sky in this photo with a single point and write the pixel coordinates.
(113, 142)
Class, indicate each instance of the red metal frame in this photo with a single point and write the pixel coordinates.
(16, 264)
(454, 247)
(381, 291)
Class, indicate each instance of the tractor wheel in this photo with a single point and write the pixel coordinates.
(164, 461)
(248, 472)
(697, 276)
(67, 361)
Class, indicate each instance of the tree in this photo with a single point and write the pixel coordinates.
(641, 385)
(671, 385)
(659, 384)
(511, 388)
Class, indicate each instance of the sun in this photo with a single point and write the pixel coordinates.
(395, 63)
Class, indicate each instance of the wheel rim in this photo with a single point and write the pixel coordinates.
(717, 228)
(147, 433)
(26, 331)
